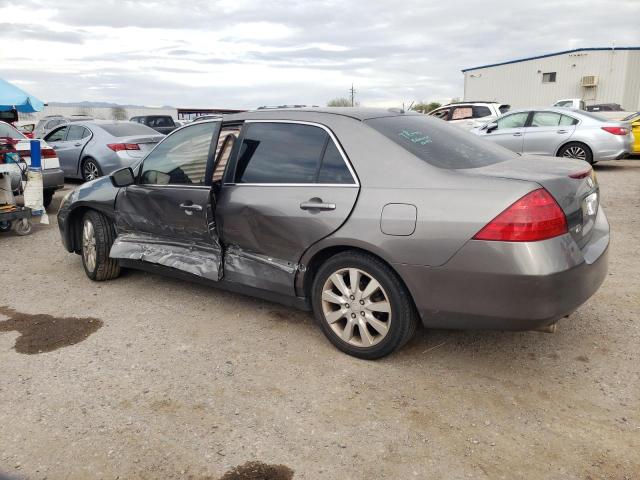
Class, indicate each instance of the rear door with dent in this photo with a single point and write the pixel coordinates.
(288, 185)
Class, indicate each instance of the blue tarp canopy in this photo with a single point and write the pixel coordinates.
(12, 97)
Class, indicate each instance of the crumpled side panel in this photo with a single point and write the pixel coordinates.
(259, 271)
(198, 261)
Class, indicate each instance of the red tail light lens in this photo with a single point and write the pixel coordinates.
(536, 216)
(118, 147)
(48, 153)
(616, 130)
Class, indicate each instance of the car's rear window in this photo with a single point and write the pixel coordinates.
(126, 129)
(438, 143)
(7, 130)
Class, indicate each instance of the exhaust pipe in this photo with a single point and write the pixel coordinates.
(547, 328)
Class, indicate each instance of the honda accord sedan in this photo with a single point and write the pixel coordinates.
(374, 219)
(560, 132)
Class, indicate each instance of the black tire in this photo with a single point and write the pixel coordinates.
(47, 198)
(5, 226)
(89, 164)
(104, 233)
(401, 322)
(566, 151)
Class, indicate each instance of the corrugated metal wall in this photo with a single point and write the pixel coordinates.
(103, 113)
(520, 84)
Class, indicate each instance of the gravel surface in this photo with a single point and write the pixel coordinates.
(176, 380)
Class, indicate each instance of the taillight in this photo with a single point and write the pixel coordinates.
(616, 130)
(118, 147)
(580, 175)
(48, 153)
(536, 216)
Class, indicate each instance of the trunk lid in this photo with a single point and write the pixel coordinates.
(145, 142)
(571, 182)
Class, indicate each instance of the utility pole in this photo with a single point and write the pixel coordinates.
(352, 91)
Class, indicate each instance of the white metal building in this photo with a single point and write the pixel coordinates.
(596, 75)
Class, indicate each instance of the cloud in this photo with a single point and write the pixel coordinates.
(243, 53)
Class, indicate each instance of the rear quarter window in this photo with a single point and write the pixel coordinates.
(439, 144)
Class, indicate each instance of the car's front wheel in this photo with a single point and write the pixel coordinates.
(362, 306)
(98, 234)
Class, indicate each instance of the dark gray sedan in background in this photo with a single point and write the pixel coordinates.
(374, 219)
(90, 149)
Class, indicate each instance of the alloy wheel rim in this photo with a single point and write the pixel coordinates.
(89, 245)
(356, 307)
(575, 152)
(91, 171)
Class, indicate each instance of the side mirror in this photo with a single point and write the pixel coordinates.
(122, 178)
(491, 127)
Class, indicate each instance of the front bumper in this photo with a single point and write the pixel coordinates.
(510, 286)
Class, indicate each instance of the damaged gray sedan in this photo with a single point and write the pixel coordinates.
(374, 219)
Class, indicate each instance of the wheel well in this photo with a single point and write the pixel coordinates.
(75, 228)
(323, 255)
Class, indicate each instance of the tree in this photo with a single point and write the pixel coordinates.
(118, 113)
(424, 107)
(339, 102)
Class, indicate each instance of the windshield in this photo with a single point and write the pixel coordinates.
(564, 103)
(127, 129)
(440, 144)
(7, 130)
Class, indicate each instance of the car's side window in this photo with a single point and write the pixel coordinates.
(226, 142)
(545, 119)
(333, 168)
(76, 132)
(515, 120)
(57, 135)
(180, 159)
(443, 113)
(481, 111)
(567, 120)
(274, 153)
(462, 113)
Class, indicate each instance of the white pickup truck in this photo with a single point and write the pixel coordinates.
(469, 115)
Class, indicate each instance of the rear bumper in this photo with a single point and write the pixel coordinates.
(52, 179)
(510, 286)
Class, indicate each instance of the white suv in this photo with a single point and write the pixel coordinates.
(469, 115)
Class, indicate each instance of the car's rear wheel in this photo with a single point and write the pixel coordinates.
(90, 170)
(576, 150)
(47, 197)
(362, 306)
(98, 234)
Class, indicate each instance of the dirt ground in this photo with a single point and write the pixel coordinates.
(161, 379)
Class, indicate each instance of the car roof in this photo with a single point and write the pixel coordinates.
(357, 113)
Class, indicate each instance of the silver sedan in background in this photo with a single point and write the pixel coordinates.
(560, 132)
(88, 150)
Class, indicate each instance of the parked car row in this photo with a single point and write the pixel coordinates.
(565, 130)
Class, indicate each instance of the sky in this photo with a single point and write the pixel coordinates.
(247, 53)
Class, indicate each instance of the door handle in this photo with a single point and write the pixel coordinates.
(317, 204)
(77, 144)
(561, 131)
(517, 134)
(189, 208)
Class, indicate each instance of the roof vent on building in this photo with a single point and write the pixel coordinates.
(589, 81)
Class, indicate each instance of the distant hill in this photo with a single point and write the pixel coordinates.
(98, 105)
